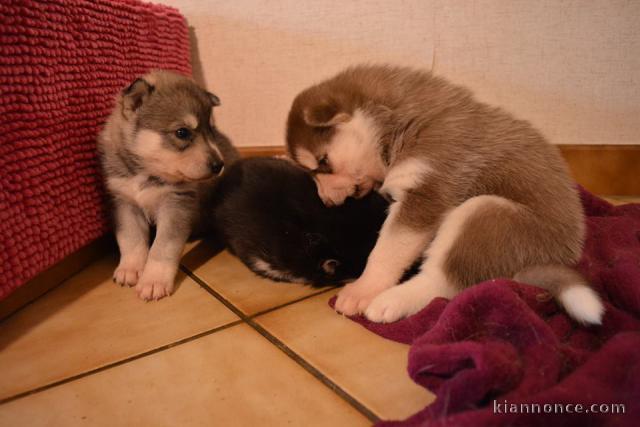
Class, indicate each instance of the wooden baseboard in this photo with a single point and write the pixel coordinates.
(266, 151)
(610, 170)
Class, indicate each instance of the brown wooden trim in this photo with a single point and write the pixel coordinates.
(55, 275)
(267, 151)
(611, 170)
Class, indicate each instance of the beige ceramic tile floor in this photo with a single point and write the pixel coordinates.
(228, 348)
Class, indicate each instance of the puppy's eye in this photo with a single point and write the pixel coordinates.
(323, 165)
(183, 133)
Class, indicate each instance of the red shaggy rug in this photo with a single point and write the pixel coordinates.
(61, 63)
(501, 344)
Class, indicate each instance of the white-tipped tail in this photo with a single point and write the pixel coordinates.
(582, 303)
(569, 288)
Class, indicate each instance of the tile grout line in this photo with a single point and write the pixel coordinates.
(249, 320)
(140, 355)
(119, 362)
(287, 304)
(319, 291)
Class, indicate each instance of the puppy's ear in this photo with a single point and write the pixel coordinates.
(134, 95)
(215, 101)
(325, 114)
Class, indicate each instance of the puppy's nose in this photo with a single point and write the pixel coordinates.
(216, 166)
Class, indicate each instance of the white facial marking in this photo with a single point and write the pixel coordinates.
(306, 158)
(354, 149)
(172, 166)
(268, 270)
(147, 142)
(407, 175)
(191, 121)
(156, 158)
(354, 158)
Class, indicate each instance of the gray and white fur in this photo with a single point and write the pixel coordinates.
(161, 153)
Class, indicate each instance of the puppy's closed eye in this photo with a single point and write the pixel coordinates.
(323, 165)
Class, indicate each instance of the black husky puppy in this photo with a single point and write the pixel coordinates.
(269, 215)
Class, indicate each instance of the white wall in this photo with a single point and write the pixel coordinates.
(570, 67)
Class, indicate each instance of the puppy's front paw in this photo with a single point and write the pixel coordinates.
(128, 272)
(156, 282)
(393, 304)
(355, 297)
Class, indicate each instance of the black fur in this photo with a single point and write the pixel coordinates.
(269, 209)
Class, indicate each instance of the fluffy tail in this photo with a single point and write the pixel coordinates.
(569, 288)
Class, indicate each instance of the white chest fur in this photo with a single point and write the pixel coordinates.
(138, 191)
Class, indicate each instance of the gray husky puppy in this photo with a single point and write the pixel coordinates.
(160, 152)
(478, 192)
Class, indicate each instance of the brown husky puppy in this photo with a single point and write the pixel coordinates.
(160, 153)
(480, 193)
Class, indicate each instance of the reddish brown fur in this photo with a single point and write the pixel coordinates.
(474, 149)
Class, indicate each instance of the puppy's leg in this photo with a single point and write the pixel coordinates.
(420, 202)
(132, 234)
(173, 229)
(397, 247)
(410, 297)
(489, 232)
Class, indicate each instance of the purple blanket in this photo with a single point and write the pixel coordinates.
(501, 344)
